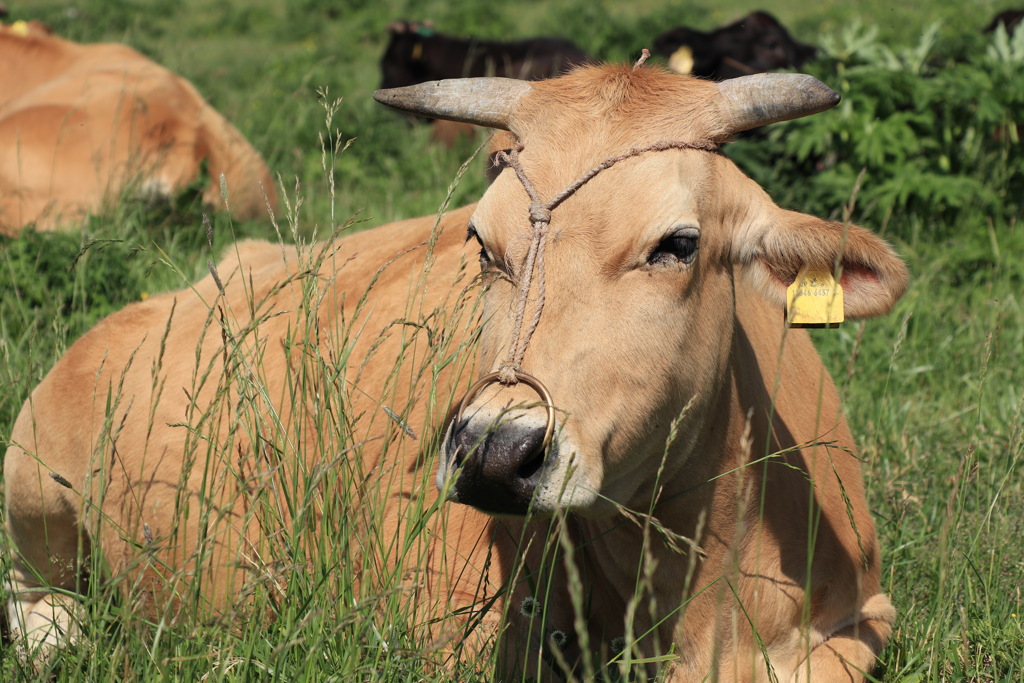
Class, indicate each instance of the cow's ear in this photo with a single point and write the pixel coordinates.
(778, 244)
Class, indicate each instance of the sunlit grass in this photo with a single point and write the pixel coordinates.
(934, 392)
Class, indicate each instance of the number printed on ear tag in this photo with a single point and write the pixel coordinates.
(814, 299)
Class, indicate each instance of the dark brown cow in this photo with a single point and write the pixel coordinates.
(1010, 19)
(81, 125)
(416, 52)
(670, 462)
(755, 44)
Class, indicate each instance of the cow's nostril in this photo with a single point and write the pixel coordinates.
(459, 445)
(531, 466)
(530, 454)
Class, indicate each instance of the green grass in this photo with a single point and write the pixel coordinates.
(934, 392)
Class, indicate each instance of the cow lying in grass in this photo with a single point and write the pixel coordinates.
(668, 462)
(81, 125)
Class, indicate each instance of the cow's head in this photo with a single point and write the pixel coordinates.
(403, 61)
(754, 44)
(760, 43)
(640, 262)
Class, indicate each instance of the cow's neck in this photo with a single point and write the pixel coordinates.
(687, 544)
(670, 545)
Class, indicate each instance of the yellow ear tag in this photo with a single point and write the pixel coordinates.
(681, 60)
(417, 51)
(19, 28)
(814, 299)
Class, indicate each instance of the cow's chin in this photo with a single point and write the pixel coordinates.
(564, 484)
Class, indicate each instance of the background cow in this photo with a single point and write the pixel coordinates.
(1010, 18)
(80, 125)
(703, 483)
(416, 53)
(755, 44)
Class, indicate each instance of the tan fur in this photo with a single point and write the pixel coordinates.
(82, 124)
(447, 133)
(762, 466)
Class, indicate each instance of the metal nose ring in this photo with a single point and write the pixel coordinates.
(530, 381)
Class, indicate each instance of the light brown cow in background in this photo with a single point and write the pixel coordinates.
(80, 125)
(704, 493)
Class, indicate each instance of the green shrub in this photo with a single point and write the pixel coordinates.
(932, 139)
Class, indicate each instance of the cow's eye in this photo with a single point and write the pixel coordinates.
(485, 256)
(679, 247)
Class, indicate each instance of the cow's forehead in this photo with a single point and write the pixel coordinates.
(615, 106)
(567, 126)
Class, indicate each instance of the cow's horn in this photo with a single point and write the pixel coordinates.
(752, 101)
(487, 102)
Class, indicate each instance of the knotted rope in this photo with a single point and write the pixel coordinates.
(540, 219)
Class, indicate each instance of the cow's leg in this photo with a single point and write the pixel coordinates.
(40, 619)
(849, 654)
(48, 550)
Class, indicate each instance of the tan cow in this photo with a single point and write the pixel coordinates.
(693, 484)
(80, 125)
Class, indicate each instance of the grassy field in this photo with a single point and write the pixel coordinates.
(934, 391)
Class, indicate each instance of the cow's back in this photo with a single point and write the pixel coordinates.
(87, 123)
(213, 373)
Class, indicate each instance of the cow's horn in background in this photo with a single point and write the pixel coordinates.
(487, 102)
(760, 99)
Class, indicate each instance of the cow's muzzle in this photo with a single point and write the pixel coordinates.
(497, 464)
